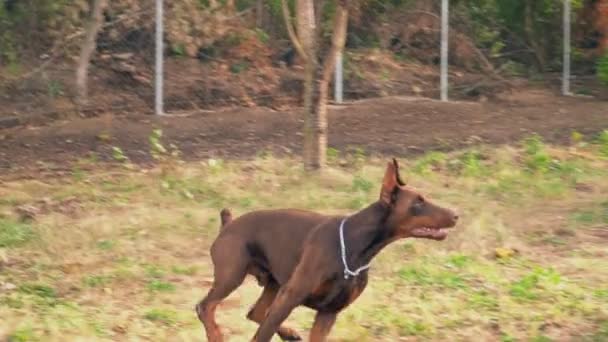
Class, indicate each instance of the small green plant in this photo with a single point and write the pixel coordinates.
(154, 271)
(507, 338)
(432, 277)
(105, 245)
(459, 260)
(161, 315)
(602, 140)
(359, 155)
(531, 286)
(55, 89)
(233, 39)
(158, 150)
(409, 328)
(37, 289)
(429, 162)
(13, 302)
(96, 280)
(239, 67)
(576, 138)
(536, 157)
(185, 270)
(362, 184)
(332, 154)
(13, 234)
(160, 286)
(262, 35)
(483, 300)
(541, 338)
(601, 334)
(118, 154)
(597, 214)
(178, 50)
(601, 294)
(602, 69)
(357, 203)
(468, 164)
(22, 335)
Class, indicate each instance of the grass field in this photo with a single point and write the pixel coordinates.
(121, 253)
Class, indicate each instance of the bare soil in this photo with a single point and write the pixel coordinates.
(386, 126)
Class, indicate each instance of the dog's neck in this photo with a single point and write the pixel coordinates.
(366, 234)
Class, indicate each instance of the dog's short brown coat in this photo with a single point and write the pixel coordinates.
(295, 255)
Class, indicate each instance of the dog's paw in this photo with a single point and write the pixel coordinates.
(288, 334)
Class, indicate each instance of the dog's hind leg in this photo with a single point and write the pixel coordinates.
(260, 308)
(230, 269)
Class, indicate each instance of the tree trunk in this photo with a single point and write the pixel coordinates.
(230, 7)
(259, 14)
(601, 24)
(316, 82)
(319, 143)
(319, 7)
(536, 45)
(88, 48)
(306, 31)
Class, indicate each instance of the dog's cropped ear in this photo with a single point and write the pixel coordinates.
(397, 173)
(391, 181)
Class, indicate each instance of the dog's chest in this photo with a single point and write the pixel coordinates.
(336, 294)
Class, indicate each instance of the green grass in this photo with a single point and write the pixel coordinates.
(135, 260)
(96, 280)
(160, 286)
(40, 290)
(431, 277)
(14, 234)
(530, 286)
(161, 315)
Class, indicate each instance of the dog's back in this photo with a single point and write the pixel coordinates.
(270, 239)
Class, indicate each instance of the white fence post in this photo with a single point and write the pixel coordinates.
(158, 72)
(339, 79)
(444, 49)
(567, 48)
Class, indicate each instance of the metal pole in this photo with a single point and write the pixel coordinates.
(158, 84)
(567, 60)
(444, 48)
(339, 79)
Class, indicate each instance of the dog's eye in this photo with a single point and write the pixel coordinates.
(418, 206)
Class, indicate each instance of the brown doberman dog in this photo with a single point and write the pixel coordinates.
(305, 258)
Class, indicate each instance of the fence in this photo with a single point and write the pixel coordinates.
(143, 64)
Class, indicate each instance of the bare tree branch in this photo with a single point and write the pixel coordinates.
(89, 46)
(338, 39)
(59, 46)
(291, 31)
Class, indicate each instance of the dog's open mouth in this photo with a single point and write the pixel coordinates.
(430, 233)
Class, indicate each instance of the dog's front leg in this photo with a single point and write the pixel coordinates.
(289, 297)
(324, 321)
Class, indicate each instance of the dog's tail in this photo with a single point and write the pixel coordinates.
(225, 216)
